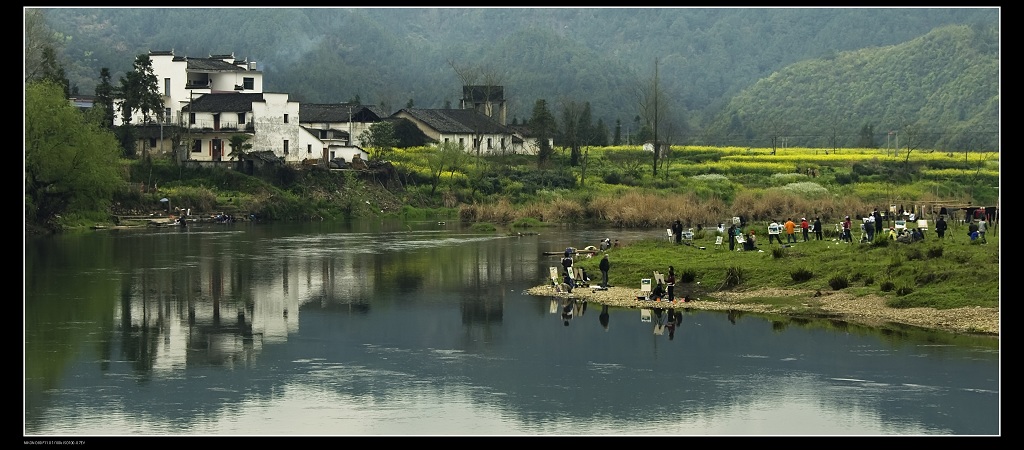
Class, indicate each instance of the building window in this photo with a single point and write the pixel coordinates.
(241, 118)
(502, 143)
(191, 118)
(309, 148)
(490, 145)
(285, 118)
(248, 83)
(286, 143)
(197, 146)
(167, 87)
(152, 142)
(462, 142)
(167, 115)
(445, 140)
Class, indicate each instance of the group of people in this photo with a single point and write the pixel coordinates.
(569, 278)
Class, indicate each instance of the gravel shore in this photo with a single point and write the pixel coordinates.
(868, 310)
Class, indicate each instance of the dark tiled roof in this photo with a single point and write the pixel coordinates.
(212, 64)
(230, 102)
(460, 121)
(337, 113)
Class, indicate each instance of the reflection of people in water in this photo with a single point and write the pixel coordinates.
(673, 322)
(659, 321)
(579, 308)
(603, 318)
(567, 310)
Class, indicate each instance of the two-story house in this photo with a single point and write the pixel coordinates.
(270, 120)
(181, 80)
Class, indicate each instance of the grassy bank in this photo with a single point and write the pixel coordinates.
(949, 273)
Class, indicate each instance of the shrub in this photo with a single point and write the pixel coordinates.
(934, 252)
(778, 253)
(613, 177)
(688, 275)
(733, 277)
(838, 282)
(887, 286)
(869, 280)
(800, 275)
(904, 290)
(914, 254)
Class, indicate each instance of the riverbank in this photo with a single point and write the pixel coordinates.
(868, 310)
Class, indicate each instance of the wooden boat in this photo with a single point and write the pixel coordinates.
(575, 251)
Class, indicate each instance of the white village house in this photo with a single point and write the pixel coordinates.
(209, 100)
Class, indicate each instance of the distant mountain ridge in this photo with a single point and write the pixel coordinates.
(712, 62)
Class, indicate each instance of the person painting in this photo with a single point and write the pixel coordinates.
(790, 231)
(805, 228)
(567, 263)
(940, 227)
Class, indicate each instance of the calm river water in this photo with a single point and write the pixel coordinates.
(423, 329)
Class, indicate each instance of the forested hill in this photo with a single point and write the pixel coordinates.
(705, 56)
(940, 91)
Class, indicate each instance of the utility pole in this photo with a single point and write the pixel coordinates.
(657, 149)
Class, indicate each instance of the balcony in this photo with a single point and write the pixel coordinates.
(223, 125)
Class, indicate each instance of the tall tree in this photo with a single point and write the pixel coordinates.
(617, 138)
(576, 128)
(105, 98)
(542, 127)
(139, 92)
(52, 70)
(654, 106)
(71, 164)
(38, 38)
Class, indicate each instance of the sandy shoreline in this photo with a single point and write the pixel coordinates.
(868, 310)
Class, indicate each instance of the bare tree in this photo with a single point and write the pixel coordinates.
(653, 104)
(775, 128)
(913, 136)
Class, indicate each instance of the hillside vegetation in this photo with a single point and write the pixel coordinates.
(734, 76)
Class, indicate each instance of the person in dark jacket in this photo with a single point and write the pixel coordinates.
(818, 232)
(940, 227)
(677, 231)
(604, 266)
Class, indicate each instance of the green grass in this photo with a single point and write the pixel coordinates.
(942, 274)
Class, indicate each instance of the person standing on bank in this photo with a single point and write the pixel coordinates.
(940, 227)
(790, 230)
(774, 230)
(818, 232)
(604, 266)
(878, 221)
(847, 232)
(731, 236)
(677, 231)
(805, 228)
(671, 282)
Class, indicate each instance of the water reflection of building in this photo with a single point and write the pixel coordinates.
(228, 299)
